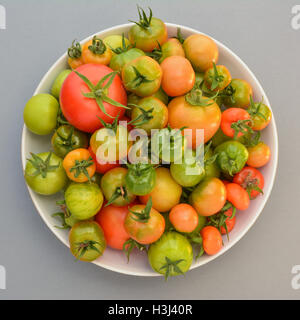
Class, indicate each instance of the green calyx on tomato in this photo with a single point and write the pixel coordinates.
(241, 126)
(144, 215)
(145, 21)
(122, 49)
(120, 192)
(75, 51)
(80, 167)
(144, 117)
(67, 220)
(179, 36)
(98, 47)
(260, 114)
(87, 241)
(231, 156)
(66, 138)
(219, 220)
(118, 61)
(215, 77)
(45, 174)
(112, 126)
(100, 92)
(171, 255)
(140, 178)
(139, 79)
(196, 98)
(131, 244)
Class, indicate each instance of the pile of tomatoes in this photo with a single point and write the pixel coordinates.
(152, 82)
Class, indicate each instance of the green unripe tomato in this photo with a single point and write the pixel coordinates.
(44, 177)
(87, 242)
(40, 114)
(115, 42)
(118, 61)
(58, 82)
(83, 200)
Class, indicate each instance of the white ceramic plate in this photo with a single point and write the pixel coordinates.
(138, 265)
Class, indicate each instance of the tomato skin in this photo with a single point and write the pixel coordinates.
(182, 114)
(75, 63)
(102, 168)
(144, 232)
(178, 76)
(184, 218)
(61, 143)
(212, 240)
(40, 114)
(83, 112)
(248, 178)
(84, 200)
(166, 193)
(222, 71)
(113, 179)
(115, 41)
(238, 196)
(89, 57)
(87, 231)
(259, 122)
(230, 222)
(54, 181)
(58, 82)
(147, 40)
(174, 246)
(111, 219)
(259, 155)
(231, 116)
(172, 47)
(242, 92)
(202, 51)
(160, 114)
(120, 60)
(209, 197)
(148, 68)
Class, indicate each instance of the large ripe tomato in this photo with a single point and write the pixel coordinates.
(184, 114)
(112, 219)
(83, 112)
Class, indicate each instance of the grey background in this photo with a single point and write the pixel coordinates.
(259, 266)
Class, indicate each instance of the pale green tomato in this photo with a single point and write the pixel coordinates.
(58, 82)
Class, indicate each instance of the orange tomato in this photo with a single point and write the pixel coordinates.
(184, 114)
(230, 222)
(202, 51)
(75, 55)
(144, 231)
(75, 63)
(212, 240)
(209, 197)
(95, 51)
(238, 196)
(79, 165)
(178, 76)
(230, 122)
(184, 218)
(166, 193)
(259, 155)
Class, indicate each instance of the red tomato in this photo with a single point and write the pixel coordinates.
(230, 222)
(83, 112)
(234, 122)
(251, 180)
(212, 240)
(238, 196)
(112, 219)
(102, 167)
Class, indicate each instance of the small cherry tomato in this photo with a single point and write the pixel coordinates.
(238, 196)
(217, 78)
(178, 76)
(144, 224)
(212, 240)
(115, 41)
(75, 55)
(142, 76)
(112, 219)
(148, 33)
(229, 222)
(102, 167)
(202, 51)
(259, 155)
(79, 165)
(235, 122)
(172, 47)
(166, 193)
(209, 197)
(261, 115)
(237, 94)
(184, 218)
(251, 180)
(95, 51)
